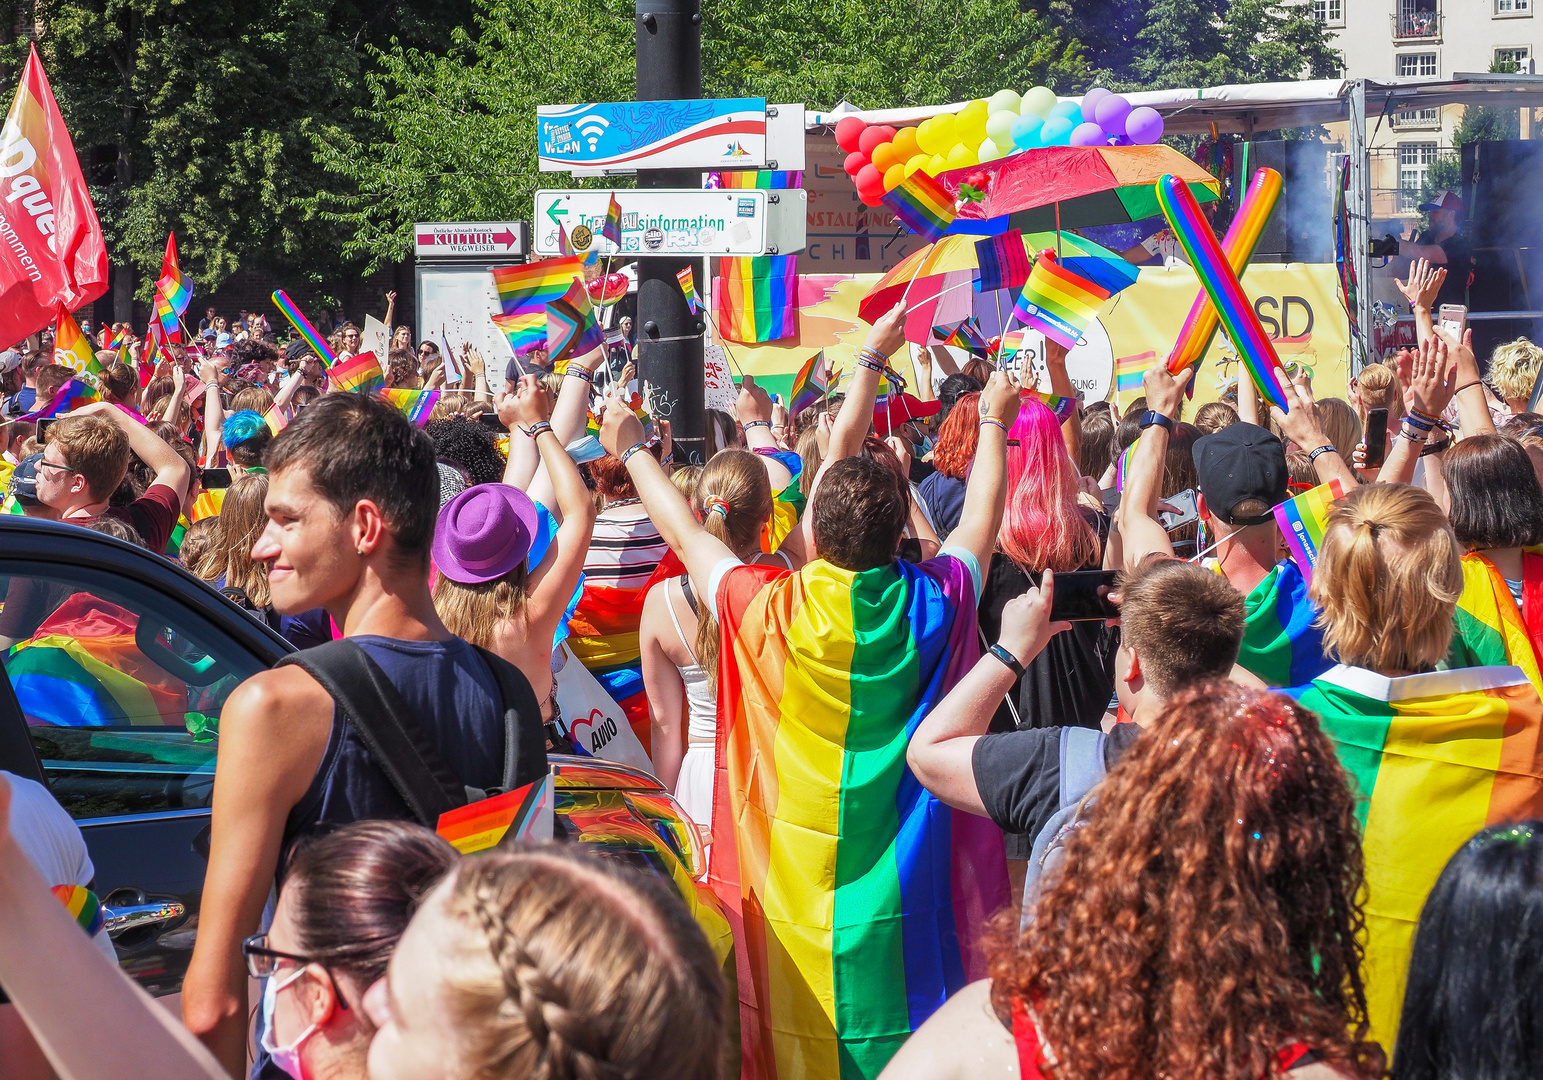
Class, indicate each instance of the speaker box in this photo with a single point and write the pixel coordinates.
(1302, 228)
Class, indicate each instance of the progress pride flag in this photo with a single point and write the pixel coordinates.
(51, 249)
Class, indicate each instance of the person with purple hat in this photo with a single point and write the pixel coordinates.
(505, 570)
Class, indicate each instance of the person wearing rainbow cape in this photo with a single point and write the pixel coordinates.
(856, 895)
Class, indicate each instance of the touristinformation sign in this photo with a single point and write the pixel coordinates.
(672, 221)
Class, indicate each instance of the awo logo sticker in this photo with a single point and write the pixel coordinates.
(594, 732)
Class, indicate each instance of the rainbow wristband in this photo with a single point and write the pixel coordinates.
(1419, 422)
(993, 420)
(626, 455)
(1423, 419)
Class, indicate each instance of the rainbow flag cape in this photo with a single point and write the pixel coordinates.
(756, 298)
(1489, 629)
(69, 397)
(82, 668)
(922, 205)
(1280, 643)
(1128, 371)
(857, 898)
(72, 348)
(809, 385)
(528, 289)
(1304, 519)
(571, 329)
(416, 405)
(522, 331)
(611, 230)
(1058, 302)
(687, 281)
(1434, 758)
(1003, 262)
(787, 508)
(177, 289)
(360, 373)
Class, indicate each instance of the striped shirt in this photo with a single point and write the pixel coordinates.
(623, 552)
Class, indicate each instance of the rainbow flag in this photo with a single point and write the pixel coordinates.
(209, 503)
(1058, 302)
(687, 281)
(1434, 758)
(275, 419)
(528, 289)
(922, 205)
(296, 319)
(787, 508)
(72, 348)
(809, 385)
(416, 405)
(1489, 629)
(360, 373)
(1128, 371)
(522, 331)
(82, 905)
(1003, 262)
(611, 230)
(857, 898)
(69, 397)
(526, 812)
(120, 343)
(177, 289)
(756, 298)
(1303, 521)
(1281, 644)
(966, 336)
(571, 329)
(1063, 407)
(166, 318)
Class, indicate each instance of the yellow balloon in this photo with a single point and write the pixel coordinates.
(943, 135)
(893, 177)
(926, 141)
(905, 144)
(935, 164)
(917, 162)
(962, 156)
(884, 156)
(970, 124)
(999, 126)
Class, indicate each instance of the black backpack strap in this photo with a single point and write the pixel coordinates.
(396, 741)
(525, 736)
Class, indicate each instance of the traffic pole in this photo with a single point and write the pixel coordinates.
(669, 352)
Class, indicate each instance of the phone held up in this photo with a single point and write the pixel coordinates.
(1083, 596)
(1376, 438)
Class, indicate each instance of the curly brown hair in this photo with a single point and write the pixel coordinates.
(1208, 914)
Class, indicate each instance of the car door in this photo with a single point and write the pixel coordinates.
(117, 667)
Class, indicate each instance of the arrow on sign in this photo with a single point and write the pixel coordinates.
(554, 213)
(505, 238)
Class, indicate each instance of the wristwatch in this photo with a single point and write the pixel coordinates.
(1149, 418)
(1007, 658)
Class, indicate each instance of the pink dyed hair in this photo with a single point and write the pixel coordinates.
(1042, 527)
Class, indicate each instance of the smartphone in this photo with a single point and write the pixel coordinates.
(1183, 513)
(215, 478)
(491, 420)
(1083, 596)
(1376, 438)
(1454, 319)
(43, 425)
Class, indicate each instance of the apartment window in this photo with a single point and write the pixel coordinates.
(1414, 159)
(1516, 57)
(1513, 7)
(1417, 118)
(1332, 12)
(1416, 64)
(1417, 19)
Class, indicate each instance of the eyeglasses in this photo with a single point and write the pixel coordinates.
(263, 962)
(44, 463)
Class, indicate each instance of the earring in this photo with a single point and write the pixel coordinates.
(359, 552)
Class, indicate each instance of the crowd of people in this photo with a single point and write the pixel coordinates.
(1253, 815)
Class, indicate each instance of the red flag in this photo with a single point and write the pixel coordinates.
(52, 254)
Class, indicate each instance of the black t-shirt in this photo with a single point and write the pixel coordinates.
(1018, 774)
(1454, 290)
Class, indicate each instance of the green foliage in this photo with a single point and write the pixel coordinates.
(1217, 42)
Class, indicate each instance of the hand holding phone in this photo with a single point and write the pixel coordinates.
(1083, 596)
(1453, 318)
(1376, 440)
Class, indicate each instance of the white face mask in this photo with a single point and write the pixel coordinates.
(285, 1057)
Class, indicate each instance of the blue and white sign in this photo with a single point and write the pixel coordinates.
(624, 136)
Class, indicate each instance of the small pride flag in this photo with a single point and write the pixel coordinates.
(809, 385)
(965, 336)
(922, 205)
(71, 396)
(1302, 522)
(72, 348)
(416, 405)
(522, 331)
(528, 289)
(1003, 261)
(611, 230)
(82, 905)
(571, 329)
(177, 289)
(359, 373)
(317, 343)
(688, 287)
(1128, 371)
(1057, 302)
(275, 419)
(166, 318)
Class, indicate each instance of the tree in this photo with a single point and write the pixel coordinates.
(458, 131)
(1106, 29)
(1217, 42)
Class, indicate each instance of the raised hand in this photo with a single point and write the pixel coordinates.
(1423, 285)
(888, 334)
(530, 404)
(1001, 398)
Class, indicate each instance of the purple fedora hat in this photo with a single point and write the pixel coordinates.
(484, 533)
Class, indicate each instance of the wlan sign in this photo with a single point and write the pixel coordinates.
(624, 136)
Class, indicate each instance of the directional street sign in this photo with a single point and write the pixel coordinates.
(675, 221)
(467, 239)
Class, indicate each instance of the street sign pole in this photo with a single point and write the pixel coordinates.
(669, 353)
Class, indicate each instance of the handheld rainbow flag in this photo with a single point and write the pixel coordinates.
(1057, 302)
(524, 814)
(922, 205)
(687, 287)
(416, 405)
(1434, 758)
(809, 385)
(82, 905)
(69, 397)
(611, 230)
(1490, 629)
(149, 356)
(72, 348)
(177, 289)
(571, 329)
(120, 343)
(564, 245)
(1063, 407)
(1003, 261)
(1128, 371)
(522, 331)
(275, 419)
(166, 318)
(317, 343)
(528, 289)
(966, 336)
(1302, 522)
(360, 373)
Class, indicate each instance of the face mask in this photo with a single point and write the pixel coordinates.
(285, 1057)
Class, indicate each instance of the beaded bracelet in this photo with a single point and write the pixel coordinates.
(537, 429)
(626, 454)
(994, 420)
(576, 372)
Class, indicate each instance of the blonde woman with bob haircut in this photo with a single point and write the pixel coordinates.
(1513, 369)
(1429, 750)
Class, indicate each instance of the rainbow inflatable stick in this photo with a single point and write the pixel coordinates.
(1221, 285)
(317, 343)
(1238, 245)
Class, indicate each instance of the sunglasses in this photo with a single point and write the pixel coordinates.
(263, 962)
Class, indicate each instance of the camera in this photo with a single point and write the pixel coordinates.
(1385, 248)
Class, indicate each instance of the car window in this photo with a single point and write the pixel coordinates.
(121, 688)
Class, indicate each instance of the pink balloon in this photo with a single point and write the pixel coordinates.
(1144, 126)
(1088, 135)
(854, 163)
(848, 129)
(874, 136)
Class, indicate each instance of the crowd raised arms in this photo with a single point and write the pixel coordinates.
(1035, 736)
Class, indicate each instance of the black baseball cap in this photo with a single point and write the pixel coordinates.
(24, 480)
(1241, 462)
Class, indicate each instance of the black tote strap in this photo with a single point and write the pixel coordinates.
(395, 739)
(524, 733)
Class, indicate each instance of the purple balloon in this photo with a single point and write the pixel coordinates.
(1110, 114)
(1090, 102)
(1144, 125)
(1088, 135)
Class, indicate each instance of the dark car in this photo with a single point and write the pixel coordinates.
(118, 663)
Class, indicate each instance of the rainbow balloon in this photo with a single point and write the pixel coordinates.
(1222, 286)
(1238, 245)
(301, 323)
